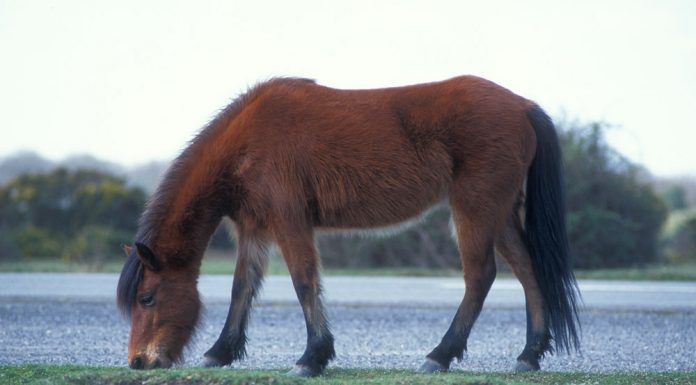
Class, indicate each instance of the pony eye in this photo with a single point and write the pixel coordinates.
(147, 299)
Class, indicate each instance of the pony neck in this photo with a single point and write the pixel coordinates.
(184, 212)
(196, 192)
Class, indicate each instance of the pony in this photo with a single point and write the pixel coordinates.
(291, 157)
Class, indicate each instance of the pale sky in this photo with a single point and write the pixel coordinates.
(131, 81)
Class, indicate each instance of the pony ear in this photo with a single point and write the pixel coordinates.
(126, 249)
(147, 257)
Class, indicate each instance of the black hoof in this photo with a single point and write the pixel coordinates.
(431, 366)
(211, 362)
(303, 371)
(524, 366)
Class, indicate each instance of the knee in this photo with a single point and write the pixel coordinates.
(489, 271)
(482, 273)
(304, 291)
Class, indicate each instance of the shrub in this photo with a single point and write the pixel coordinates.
(33, 242)
(94, 244)
(679, 237)
(67, 213)
(614, 216)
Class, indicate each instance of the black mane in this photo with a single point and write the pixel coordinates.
(131, 276)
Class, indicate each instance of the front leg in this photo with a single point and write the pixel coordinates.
(298, 251)
(252, 258)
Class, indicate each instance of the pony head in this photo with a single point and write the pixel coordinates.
(163, 305)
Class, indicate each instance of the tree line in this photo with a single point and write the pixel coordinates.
(615, 217)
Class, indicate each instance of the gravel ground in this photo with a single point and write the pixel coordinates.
(73, 332)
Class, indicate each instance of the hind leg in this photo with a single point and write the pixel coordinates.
(296, 243)
(475, 241)
(511, 245)
(252, 258)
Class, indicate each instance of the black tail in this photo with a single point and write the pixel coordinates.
(545, 229)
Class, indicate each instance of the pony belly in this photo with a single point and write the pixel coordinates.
(390, 213)
(385, 228)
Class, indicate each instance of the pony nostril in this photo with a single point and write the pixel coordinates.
(157, 364)
(137, 363)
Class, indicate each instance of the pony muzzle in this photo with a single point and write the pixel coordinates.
(142, 362)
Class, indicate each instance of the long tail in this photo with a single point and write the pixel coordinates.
(547, 240)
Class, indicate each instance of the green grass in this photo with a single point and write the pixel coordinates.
(655, 273)
(214, 263)
(58, 266)
(68, 374)
(217, 263)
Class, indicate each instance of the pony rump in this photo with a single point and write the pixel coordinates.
(547, 239)
(128, 282)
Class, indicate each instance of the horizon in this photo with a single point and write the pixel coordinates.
(75, 81)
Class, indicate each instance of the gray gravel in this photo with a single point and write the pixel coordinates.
(506, 292)
(393, 336)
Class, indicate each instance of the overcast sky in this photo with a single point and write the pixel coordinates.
(131, 81)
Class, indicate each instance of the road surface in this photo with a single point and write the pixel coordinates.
(387, 322)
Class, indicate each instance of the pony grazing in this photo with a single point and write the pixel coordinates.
(291, 157)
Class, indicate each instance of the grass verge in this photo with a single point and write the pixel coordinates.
(653, 273)
(69, 374)
(221, 264)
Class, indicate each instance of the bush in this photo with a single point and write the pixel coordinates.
(67, 213)
(679, 237)
(614, 216)
(675, 198)
(33, 242)
(94, 245)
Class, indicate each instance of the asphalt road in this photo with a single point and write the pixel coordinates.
(378, 322)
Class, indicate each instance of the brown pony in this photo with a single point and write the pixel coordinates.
(290, 157)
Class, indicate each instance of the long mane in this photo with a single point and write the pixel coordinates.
(159, 203)
(128, 282)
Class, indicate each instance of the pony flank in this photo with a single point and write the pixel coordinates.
(291, 157)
